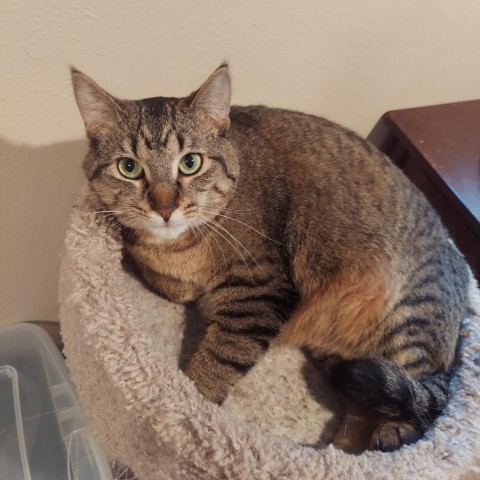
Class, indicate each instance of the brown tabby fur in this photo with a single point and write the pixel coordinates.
(300, 231)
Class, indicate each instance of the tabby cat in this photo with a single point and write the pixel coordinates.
(285, 226)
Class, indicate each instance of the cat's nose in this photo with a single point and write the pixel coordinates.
(166, 211)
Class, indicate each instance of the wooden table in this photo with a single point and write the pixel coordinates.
(438, 148)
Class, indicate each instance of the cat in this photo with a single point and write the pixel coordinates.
(288, 227)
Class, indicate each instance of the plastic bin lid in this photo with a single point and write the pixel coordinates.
(43, 433)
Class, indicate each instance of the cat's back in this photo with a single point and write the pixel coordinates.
(340, 187)
(284, 125)
(307, 143)
(276, 123)
(322, 162)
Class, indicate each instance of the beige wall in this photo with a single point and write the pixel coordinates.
(347, 60)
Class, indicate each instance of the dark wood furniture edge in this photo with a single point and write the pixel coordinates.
(386, 133)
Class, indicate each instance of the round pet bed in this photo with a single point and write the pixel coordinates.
(123, 346)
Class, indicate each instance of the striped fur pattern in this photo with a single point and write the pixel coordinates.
(293, 229)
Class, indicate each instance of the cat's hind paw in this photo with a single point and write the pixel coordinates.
(392, 434)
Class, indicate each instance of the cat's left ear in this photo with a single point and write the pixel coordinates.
(214, 97)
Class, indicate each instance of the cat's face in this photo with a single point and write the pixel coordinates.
(161, 166)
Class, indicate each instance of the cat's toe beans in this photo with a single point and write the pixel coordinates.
(391, 435)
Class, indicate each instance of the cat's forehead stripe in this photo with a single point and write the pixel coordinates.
(181, 141)
(145, 136)
(158, 106)
(167, 136)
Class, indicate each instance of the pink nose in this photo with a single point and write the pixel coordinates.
(166, 211)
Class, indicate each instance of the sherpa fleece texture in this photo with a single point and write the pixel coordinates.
(123, 345)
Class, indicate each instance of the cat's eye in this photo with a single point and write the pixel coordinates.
(190, 163)
(130, 168)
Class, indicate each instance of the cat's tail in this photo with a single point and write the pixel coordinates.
(387, 388)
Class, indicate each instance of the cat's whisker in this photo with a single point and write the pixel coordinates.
(249, 226)
(110, 216)
(239, 243)
(106, 211)
(200, 224)
(115, 228)
(195, 232)
(214, 227)
(218, 225)
(196, 224)
(247, 210)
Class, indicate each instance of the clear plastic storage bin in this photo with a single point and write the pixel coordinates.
(43, 434)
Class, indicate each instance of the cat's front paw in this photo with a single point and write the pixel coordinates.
(207, 383)
(208, 390)
(392, 434)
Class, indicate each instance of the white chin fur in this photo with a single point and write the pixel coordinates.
(166, 230)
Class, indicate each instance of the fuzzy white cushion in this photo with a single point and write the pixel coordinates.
(123, 345)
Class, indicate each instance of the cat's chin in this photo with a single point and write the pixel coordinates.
(167, 232)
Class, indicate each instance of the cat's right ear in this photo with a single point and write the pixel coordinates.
(97, 107)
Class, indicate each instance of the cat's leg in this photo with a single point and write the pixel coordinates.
(406, 377)
(397, 347)
(222, 358)
(355, 431)
(243, 320)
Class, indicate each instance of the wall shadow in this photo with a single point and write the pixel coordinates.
(38, 186)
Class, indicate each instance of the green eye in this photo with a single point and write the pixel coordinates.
(190, 163)
(130, 168)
